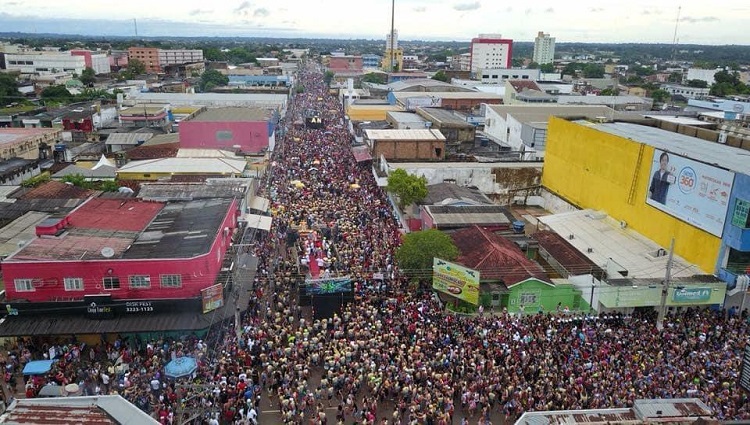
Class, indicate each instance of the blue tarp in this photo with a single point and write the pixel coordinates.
(38, 367)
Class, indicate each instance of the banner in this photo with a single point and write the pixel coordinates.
(689, 190)
(455, 280)
(213, 297)
(332, 285)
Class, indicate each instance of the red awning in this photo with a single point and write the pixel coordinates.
(361, 154)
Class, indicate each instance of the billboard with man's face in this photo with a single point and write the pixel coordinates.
(689, 190)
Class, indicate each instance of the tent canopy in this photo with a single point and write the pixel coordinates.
(181, 366)
(256, 221)
(259, 203)
(38, 367)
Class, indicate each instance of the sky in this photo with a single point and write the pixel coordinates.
(632, 21)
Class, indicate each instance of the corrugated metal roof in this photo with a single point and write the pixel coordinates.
(392, 134)
(232, 115)
(128, 138)
(205, 153)
(186, 165)
(95, 410)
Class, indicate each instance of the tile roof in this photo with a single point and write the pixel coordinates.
(57, 190)
(166, 150)
(495, 257)
(521, 85)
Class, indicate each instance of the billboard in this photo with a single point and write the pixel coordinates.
(326, 286)
(213, 297)
(694, 192)
(455, 280)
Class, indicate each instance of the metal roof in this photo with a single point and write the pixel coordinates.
(448, 95)
(211, 188)
(232, 115)
(20, 231)
(186, 165)
(181, 230)
(451, 217)
(716, 154)
(596, 231)
(11, 135)
(104, 172)
(443, 117)
(128, 138)
(405, 117)
(541, 113)
(95, 410)
(392, 134)
(441, 192)
(205, 153)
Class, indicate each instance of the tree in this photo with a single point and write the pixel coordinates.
(592, 70)
(213, 78)
(328, 77)
(675, 77)
(610, 92)
(375, 78)
(8, 89)
(440, 76)
(660, 95)
(77, 180)
(57, 94)
(136, 67)
(533, 65)
(416, 254)
(407, 187)
(88, 76)
(701, 84)
(547, 68)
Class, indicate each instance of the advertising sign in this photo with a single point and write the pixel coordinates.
(745, 372)
(691, 295)
(333, 285)
(455, 280)
(689, 190)
(213, 297)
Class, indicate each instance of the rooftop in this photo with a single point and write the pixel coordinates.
(186, 165)
(211, 188)
(448, 95)
(181, 230)
(460, 216)
(426, 84)
(566, 254)
(405, 117)
(541, 113)
(716, 154)
(417, 134)
(601, 100)
(232, 115)
(443, 117)
(156, 151)
(19, 232)
(495, 257)
(128, 138)
(521, 85)
(441, 192)
(94, 410)
(55, 190)
(602, 235)
(12, 135)
(11, 165)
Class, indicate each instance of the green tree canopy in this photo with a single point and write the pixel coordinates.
(592, 70)
(701, 84)
(136, 67)
(375, 78)
(440, 76)
(407, 187)
(547, 68)
(415, 255)
(660, 95)
(727, 84)
(213, 78)
(88, 76)
(8, 89)
(57, 93)
(328, 77)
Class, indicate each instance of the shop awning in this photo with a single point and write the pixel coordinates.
(262, 222)
(361, 154)
(259, 203)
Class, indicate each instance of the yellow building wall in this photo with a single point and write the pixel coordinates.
(369, 113)
(596, 170)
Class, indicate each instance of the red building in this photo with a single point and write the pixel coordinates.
(79, 121)
(345, 63)
(122, 249)
(248, 130)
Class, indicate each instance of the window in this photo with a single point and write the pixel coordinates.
(73, 283)
(140, 281)
(171, 281)
(111, 282)
(23, 285)
(741, 216)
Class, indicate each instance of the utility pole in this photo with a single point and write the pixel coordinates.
(393, 33)
(665, 289)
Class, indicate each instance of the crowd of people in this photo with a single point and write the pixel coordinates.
(393, 356)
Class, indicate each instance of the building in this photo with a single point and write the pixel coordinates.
(247, 130)
(122, 250)
(490, 51)
(99, 62)
(524, 127)
(345, 63)
(701, 74)
(146, 115)
(618, 103)
(371, 61)
(393, 58)
(457, 101)
(700, 201)
(526, 91)
(544, 48)
(276, 102)
(156, 60)
(686, 91)
(406, 144)
(499, 76)
(28, 143)
(45, 63)
(459, 134)
(405, 120)
(169, 168)
(14, 171)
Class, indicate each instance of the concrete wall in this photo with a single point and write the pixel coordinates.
(593, 169)
(409, 149)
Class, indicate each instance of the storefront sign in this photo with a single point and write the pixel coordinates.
(139, 307)
(690, 295)
(455, 280)
(213, 297)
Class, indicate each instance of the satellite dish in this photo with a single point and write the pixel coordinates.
(108, 252)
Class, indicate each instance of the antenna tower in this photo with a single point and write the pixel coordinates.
(674, 38)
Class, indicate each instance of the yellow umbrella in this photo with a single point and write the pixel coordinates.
(354, 186)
